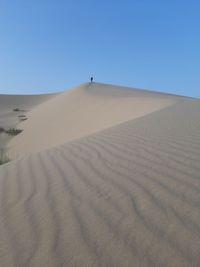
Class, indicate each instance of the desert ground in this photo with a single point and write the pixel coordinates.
(101, 175)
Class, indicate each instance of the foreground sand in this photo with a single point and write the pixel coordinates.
(126, 196)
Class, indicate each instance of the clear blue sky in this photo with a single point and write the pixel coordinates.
(51, 45)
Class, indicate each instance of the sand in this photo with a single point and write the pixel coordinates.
(125, 195)
(10, 118)
(82, 111)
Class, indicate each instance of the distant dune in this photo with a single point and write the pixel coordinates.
(103, 176)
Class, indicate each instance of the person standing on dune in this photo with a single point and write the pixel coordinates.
(91, 79)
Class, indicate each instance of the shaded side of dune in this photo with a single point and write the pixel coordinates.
(128, 196)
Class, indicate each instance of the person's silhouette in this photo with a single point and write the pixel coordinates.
(91, 79)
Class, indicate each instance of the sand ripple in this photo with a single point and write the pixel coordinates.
(127, 196)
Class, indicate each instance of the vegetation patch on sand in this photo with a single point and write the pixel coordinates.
(22, 116)
(18, 109)
(2, 130)
(13, 131)
(23, 119)
(3, 157)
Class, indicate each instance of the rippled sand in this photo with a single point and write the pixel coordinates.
(128, 195)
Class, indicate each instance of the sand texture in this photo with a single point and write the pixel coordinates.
(82, 111)
(126, 195)
(10, 118)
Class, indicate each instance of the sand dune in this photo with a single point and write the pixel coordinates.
(25, 103)
(125, 196)
(82, 111)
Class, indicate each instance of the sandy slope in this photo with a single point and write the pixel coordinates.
(126, 196)
(9, 118)
(84, 110)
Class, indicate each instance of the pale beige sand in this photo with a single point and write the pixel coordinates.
(9, 118)
(84, 110)
(125, 196)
